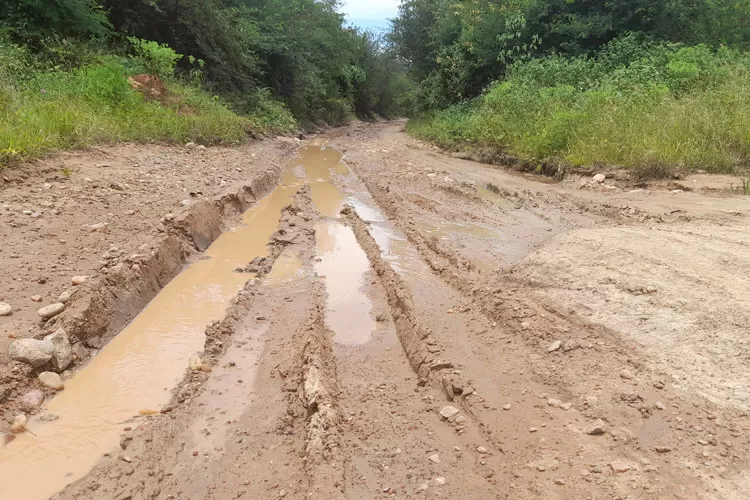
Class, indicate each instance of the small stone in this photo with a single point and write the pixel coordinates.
(627, 375)
(19, 424)
(33, 399)
(541, 468)
(482, 450)
(435, 459)
(566, 406)
(62, 354)
(448, 412)
(560, 482)
(423, 487)
(662, 449)
(596, 469)
(659, 405)
(195, 363)
(554, 403)
(49, 417)
(31, 351)
(78, 280)
(36, 298)
(80, 351)
(507, 407)
(599, 178)
(65, 296)
(598, 427)
(5, 309)
(440, 481)
(126, 459)
(619, 467)
(51, 310)
(460, 419)
(533, 429)
(554, 346)
(51, 380)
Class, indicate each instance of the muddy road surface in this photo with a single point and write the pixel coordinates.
(358, 315)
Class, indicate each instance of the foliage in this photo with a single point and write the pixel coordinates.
(155, 58)
(51, 109)
(635, 104)
(455, 49)
(40, 19)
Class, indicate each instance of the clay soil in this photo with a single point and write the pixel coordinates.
(581, 340)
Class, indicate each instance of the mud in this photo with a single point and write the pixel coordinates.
(426, 326)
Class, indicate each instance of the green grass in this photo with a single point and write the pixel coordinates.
(665, 107)
(42, 111)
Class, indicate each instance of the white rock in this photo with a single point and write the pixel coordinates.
(78, 280)
(99, 226)
(599, 178)
(195, 363)
(554, 403)
(448, 412)
(659, 405)
(36, 298)
(65, 296)
(627, 375)
(19, 424)
(507, 407)
(33, 399)
(554, 346)
(31, 351)
(51, 310)
(597, 427)
(51, 380)
(62, 355)
(482, 450)
(435, 459)
(5, 309)
(440, 481)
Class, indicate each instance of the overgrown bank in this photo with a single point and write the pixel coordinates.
(652, 85)
(644, 106)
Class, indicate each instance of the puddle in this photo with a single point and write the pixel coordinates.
(318, 163)
(494, 198)
(344, 265)
(288, 267)
(136, 371)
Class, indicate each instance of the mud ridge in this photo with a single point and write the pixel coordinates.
(153, 432)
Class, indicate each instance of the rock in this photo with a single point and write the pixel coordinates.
(33, 399)
(51, 310)
(560, 482)
(440, 481)
(195, 363)
(49, 417)
(36, 298)
(423, 487)
(78, 280)
(62, 354)
(19, 424)
(5, 309)
(659, 405)
(80, 351)
(597, 428)
(51, 380)
(619, 467)
(599, 178)
(566, 406)
(31, 351)
(190, 145)
(554, 346)
(533, 429)
(554, 403)
(65, 297)
(627, 375)
(460, 420)
(100, 226)
(482, 450)
(507, 407)
(448, 412)
(662, 449)
(435, 459)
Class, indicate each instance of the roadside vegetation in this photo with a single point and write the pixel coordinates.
(72, 73)
(648, 85)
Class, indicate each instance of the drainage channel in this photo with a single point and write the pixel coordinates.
(135, 372)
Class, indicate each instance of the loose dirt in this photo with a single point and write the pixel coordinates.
(408, 325)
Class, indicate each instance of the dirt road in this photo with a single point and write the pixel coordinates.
(412, 325)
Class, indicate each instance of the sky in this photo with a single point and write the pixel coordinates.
(372, 14)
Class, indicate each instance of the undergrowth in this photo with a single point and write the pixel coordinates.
(653, 107)
(46, 107)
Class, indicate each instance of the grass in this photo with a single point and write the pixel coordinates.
(42, 111)
(664, 108)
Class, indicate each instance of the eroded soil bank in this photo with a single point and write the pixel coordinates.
(425, 326)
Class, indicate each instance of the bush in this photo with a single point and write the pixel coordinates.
(635, 105)
(154, 58)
